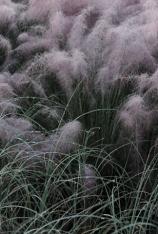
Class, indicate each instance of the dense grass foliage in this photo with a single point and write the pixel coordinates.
(78, 116)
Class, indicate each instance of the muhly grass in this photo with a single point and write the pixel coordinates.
(78, 116)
